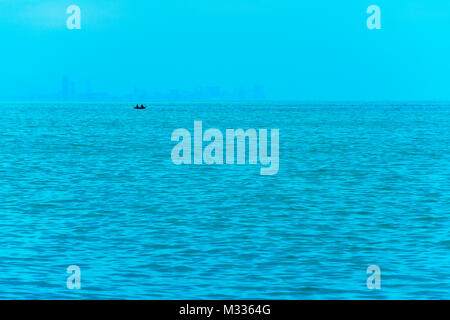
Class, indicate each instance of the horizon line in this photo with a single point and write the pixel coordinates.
(181, 101)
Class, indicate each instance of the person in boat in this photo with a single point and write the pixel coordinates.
(142, 106)
(137, 106)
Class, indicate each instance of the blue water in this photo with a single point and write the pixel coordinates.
(93, 184)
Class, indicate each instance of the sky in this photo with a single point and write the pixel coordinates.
(317, 50)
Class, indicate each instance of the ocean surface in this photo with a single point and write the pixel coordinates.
(93, 185)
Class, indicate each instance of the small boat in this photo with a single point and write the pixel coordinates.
(141, 107)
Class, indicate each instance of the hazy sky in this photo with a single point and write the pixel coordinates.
(294, 49)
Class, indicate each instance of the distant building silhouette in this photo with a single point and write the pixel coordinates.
(67, 88)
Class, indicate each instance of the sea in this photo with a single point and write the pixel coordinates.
(93, 185)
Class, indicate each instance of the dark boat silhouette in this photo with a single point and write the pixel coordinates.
(141, 107)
